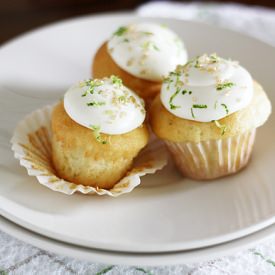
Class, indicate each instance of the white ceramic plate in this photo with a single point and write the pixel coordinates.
(152, 259)
(167, 212)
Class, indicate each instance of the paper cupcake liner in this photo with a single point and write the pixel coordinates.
(31, 144)
(214, 158)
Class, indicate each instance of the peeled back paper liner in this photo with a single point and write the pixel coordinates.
(31, 144)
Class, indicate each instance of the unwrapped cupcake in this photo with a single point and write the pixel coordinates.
(97, 132)
(207, 114)
(141, 54)
(91, 142)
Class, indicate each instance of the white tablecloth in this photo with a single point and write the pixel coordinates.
(17, 257)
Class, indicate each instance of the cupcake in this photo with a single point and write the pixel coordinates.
(97, 132)
(207, 114)
(141, 55)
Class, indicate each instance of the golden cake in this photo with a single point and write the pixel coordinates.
(97, 131)
(207, 114)
(141, 55)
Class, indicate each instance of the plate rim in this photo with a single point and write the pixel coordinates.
(123, 258)
(236, 235)
(253, 228)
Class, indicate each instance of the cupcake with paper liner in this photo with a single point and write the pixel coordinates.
(141, 54)
(97, 132)
(207, 114)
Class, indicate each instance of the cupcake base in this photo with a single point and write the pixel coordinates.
(213, 158)
(32, 146)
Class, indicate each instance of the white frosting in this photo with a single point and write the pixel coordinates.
(147, 50)
(207, 88)
(114, 109)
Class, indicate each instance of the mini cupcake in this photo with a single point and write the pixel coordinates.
(141, 55)
(97, 132)
(207, 114)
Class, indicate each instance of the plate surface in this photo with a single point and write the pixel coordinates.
(167, 212)
(150, 259)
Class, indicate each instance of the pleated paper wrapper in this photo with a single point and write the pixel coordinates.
(213, 158)
(31, 144)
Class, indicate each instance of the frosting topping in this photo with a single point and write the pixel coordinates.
(105, 106)
(207, 88)
(147, 50)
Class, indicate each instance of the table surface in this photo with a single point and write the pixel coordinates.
(17, 257)
(18, 16)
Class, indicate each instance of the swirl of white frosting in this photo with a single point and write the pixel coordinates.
(105, 105)
(147, 50)
(207, 88)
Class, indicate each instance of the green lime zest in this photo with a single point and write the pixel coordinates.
(96, 103)
(223, 127)
(91, 84)
(172, 106)
(98, 137)
(199, 106)
(116, 80)
(225, 107)
(192, 113)
(224, 85)
(149, 45)
(121, 31)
